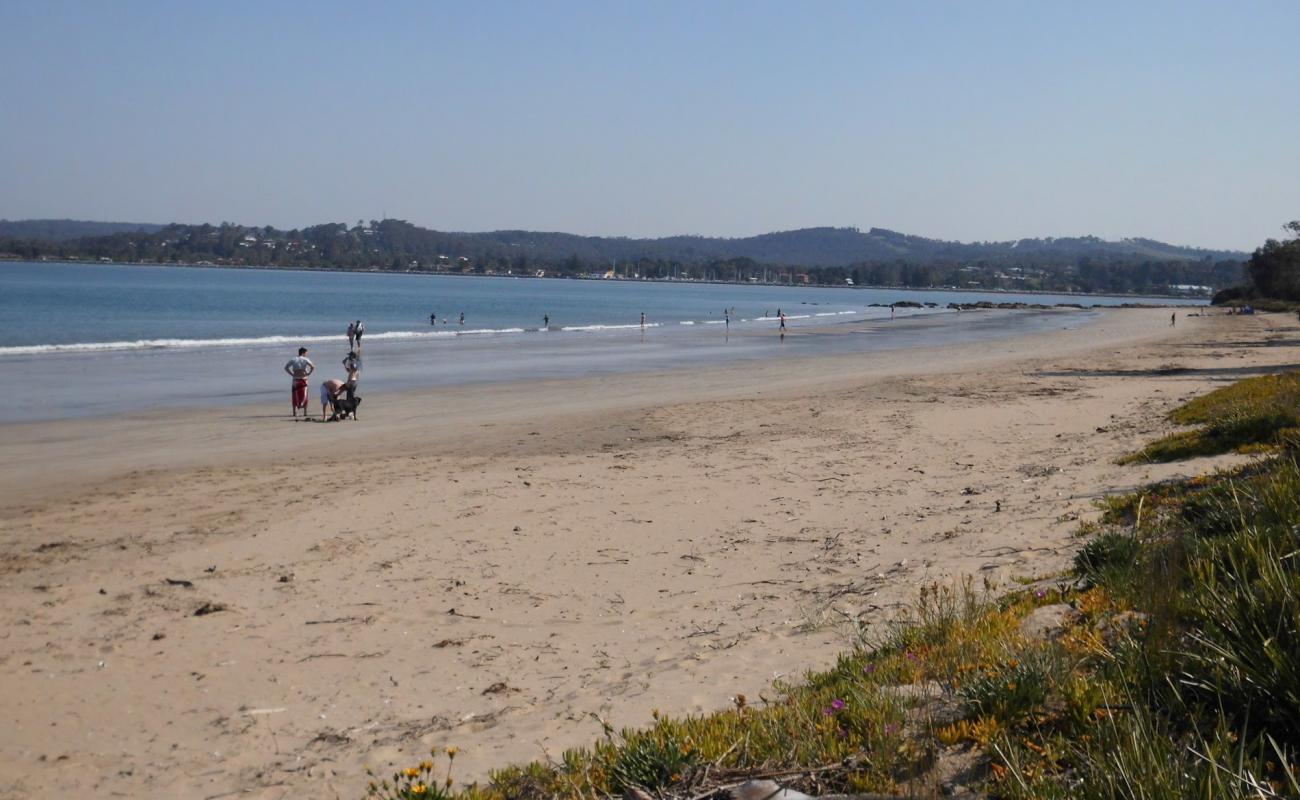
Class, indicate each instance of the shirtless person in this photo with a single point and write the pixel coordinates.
(299, 370)
(329, 392)
(353, 365)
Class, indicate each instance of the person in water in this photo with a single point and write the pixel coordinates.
(299, 369)
(546, 321)
(433, 319)
(462, 318)
(360, 329)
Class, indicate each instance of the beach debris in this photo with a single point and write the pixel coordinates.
(636, 793)
(286, 578)
(209, 608)
(449, 643)
(212, 568)
(51, 546)
(179, 582)
(453, 612)
(969, 491)
(158, 636)
(997, 505)
(257, 712)
(103, 591)
(499, 687)
(340, 620)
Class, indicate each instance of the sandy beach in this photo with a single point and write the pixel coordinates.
(229, 603)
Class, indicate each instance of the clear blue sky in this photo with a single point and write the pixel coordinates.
(964, 120)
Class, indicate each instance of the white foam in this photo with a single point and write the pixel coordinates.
(608, 327)
(252, 341)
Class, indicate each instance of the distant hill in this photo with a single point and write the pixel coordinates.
(825, 256)
(809, 247)
(61, 230)
(829, 247)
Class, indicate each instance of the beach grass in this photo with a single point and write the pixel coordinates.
(1250, 416)
(1169, 667)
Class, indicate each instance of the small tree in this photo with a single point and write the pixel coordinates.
(1275, 268)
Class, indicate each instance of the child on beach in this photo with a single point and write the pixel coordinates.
(299, 369)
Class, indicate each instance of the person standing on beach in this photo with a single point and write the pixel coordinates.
(781, 317)
(726, 317)
(360, 329)
(352, 336)
(1173, 319)
(642, 320)
(352, 363)
(299, 370)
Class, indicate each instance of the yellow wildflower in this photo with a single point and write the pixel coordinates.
(452, 751)
(411, 772)
(419, 788)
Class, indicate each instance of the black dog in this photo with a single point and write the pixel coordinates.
(344, 408)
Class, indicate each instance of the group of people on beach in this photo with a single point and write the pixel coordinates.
(433, 318)
(338, 398)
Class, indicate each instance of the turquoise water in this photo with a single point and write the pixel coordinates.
(45, 306)
(89, 340)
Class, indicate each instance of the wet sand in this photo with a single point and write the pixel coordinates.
(231, 603)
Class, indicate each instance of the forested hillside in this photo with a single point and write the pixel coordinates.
(828, 256)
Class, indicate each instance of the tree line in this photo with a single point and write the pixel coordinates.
(394, 245)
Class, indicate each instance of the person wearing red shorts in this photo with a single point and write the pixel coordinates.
(299, 370)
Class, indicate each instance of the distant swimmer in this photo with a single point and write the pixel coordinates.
(433, 319)
(299, 369)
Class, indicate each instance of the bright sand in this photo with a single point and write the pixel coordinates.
(493, 566)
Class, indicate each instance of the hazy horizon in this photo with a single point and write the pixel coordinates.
(997, 122)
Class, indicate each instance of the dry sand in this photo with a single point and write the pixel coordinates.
(493, 566)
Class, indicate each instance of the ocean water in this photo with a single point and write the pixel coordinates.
(100, 339)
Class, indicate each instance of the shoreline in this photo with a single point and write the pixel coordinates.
(1196, 300)
(594, 546)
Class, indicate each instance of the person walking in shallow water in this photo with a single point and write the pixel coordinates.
(360, 329)
(352, 336)
(546, 321)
